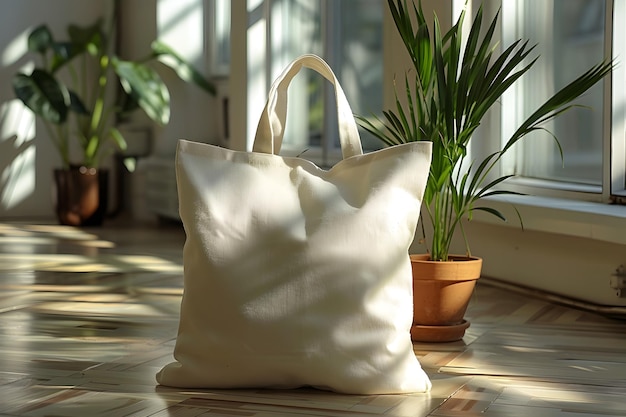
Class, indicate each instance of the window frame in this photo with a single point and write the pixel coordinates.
(617, 100)
(613, 149)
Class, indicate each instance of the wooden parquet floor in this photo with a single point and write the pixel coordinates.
(87, 317)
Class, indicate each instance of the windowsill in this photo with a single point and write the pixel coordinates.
(597, 221)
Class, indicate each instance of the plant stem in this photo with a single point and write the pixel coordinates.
(61, 142)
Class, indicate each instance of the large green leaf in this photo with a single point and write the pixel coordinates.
(88, 38)
(64, 52)
(81, 39)
(183, 69)
(40, 39)
(76, 104)
(43, 94)
(125, 103)
(145, 85)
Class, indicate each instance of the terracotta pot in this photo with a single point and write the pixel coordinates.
(441, 294)
(81, 196)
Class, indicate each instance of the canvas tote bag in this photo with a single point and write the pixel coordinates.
(295, 275)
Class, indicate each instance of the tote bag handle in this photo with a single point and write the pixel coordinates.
(269, 134)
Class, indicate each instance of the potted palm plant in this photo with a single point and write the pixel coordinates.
(451, 87)
(79, 89)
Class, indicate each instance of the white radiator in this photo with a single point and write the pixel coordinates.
(160, 186)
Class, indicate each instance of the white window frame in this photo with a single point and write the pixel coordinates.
(617, 147)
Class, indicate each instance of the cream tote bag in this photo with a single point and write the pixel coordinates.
(295, 275)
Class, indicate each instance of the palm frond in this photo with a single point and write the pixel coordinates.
(453, 88)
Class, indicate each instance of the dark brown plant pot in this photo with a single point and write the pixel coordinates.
(441, 294)
(81, 195)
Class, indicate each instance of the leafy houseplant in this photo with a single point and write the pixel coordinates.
(448, 95)
(451, 87)
(73, 91)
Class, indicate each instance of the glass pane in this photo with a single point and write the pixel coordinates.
(296, 29)
(570, 38)
(220, 38)
(349, 35)
(359, 62)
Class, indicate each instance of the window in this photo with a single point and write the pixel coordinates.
(549, 220)
(571, 36)
(348, 34)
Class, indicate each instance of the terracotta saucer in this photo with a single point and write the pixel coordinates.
(421, 333)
